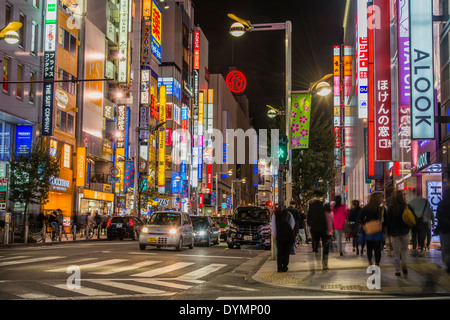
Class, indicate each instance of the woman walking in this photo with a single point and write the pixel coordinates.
(398, 231)
(354, 218)
(340, 213)
(373, 214)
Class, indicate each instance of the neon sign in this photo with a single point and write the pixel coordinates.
(236, 81)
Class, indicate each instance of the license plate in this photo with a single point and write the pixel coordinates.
(152, 239)
(118, 225)
(248, 238)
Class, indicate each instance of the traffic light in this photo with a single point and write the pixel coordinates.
(282, 149)
(269, 204)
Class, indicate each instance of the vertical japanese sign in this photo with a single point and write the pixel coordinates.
(51, 19)
(337, 86)
(121, 126)
(382, 58)
(362, 60)
(422, 77)
(371, 104)
(404, 75)
(81, 166)
(209, 177)
(146, 10)
(300, 121)
(201, 97)
(123, 42)
(156, 31)
(162, 142)
(146, 43)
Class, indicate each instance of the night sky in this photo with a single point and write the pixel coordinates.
(316, 28)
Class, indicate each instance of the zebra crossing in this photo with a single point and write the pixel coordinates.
(103, 278)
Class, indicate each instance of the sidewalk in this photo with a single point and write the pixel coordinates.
(48, 241)
(348, 274)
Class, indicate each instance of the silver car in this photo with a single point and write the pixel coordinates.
(167, 229)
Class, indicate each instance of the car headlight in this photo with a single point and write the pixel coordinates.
(144, 230)
(173, 231)
(201, 233)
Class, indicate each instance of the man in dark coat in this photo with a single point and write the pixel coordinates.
(316, 220)
(283, 225)
(296, 215)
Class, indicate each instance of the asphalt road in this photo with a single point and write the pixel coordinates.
(118, 270)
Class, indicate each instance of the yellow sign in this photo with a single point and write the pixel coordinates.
(210, 95)
(162, 141)
(200, 107)
(120, 164)
(97, 195)
(81, 166)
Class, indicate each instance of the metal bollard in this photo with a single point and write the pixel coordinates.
(74, 232)
(60, 233)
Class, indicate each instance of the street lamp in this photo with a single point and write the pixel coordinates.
(9, 33)
(239, 28)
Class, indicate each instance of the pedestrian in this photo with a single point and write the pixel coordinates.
(326, 240)
(373, 213)
(41, 220)
(302, 228)
(423, 212)
(296, 215)
(399, 231)
(340, 214)
(443, 227)
(354, 219)
(53, 221)
(283, 224)
(317, 221)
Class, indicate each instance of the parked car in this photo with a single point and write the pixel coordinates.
(206, 231)
(123, 227)
(167, 229)
(249, 225)
(223, 225)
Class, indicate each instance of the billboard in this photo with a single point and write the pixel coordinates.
(422, 78)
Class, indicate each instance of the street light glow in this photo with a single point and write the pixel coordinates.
(11, 37)
(323, 89)
(237, 29)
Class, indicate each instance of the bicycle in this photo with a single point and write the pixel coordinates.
(92, 226)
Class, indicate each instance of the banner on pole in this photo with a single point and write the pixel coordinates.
(300, 121)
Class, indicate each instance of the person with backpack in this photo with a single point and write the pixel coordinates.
(423, 212)
(283, 224)
(398, 229)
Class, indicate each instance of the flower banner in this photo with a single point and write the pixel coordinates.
(300, 121)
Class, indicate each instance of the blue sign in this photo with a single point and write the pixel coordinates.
(363, 89)
(24, 139)
(184, 113)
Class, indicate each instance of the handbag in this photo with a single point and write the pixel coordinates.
(372, 227)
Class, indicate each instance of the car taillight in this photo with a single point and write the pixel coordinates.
(130, 223)
(108, 223)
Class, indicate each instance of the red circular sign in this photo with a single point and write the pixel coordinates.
(236, 81)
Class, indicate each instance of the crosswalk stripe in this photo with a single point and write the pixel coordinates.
(91, 265)
(9, 263)
(202, 272)
(128, 268)
(85, 290)
(131, 287)
(158, 271)
(13, 257)
(162, 283)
